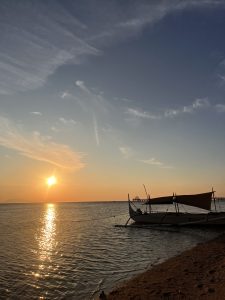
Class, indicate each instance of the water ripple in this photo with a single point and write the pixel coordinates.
(73, 250)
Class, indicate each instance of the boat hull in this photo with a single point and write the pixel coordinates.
(178, 218)
(172, 218)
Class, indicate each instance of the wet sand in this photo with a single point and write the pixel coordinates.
(198, 273)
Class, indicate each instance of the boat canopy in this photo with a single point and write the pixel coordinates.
(160, 200)
(198, 200)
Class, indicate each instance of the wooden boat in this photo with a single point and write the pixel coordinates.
(202, 201)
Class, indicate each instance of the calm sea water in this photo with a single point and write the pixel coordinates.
(73, 250)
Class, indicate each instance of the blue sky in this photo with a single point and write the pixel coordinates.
(110, 95)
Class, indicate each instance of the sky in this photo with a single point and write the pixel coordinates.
(110, 95)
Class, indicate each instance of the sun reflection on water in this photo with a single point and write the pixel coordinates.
(47, 241)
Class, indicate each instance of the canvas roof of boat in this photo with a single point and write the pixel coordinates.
(160, 200)
(198, 200)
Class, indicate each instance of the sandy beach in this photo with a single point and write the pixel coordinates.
(198, 273)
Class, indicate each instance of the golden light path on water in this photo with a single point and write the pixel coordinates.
(47, 239)
(46, 242)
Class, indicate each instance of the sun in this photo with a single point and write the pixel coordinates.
(50, 181)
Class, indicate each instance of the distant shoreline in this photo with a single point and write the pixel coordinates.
(197, 273)
(58, 202)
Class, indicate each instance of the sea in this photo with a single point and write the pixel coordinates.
(74, 250)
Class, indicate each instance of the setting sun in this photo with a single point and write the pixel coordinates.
(50, 181)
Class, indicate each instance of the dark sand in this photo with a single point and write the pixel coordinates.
(198, 273)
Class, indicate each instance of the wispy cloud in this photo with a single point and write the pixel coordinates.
(36, 113)
(172, 113)
(67, 121)
(38, 147)
(150, 12)
(220, 108)
(199, 103)
(43, 43)
(82, 86)
(96, 105)
(95, 99)
(128, 22)
(140, 114)
(126, 151)
(65, 95)
(154, 162)
(46, 41)
(147, 13)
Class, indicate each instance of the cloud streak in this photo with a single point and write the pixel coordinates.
(151, 12)
(48, 34)
(154, 162)
(41, 148)
(141, 114)
(43, 42)
(36, 113)
(197, 105)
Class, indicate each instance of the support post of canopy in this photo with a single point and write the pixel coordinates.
(175, 207)
(214, 200)
(175, 204)
(148, 198)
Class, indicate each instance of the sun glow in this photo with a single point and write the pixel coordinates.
(50, 181)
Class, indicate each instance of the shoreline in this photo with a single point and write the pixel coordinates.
(198, 273)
